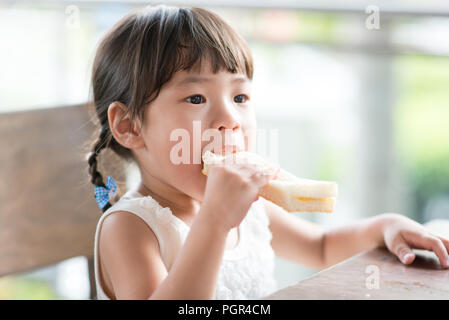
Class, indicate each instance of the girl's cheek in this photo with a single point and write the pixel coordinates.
(250, 133)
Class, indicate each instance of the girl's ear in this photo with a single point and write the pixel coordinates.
(127, 133)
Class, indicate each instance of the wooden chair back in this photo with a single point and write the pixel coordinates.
(47, 208)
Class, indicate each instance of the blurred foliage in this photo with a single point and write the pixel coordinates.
(317, 27)
(422, 124)
(331, 163)
(25, 288)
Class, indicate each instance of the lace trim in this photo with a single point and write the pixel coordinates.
(165, 216)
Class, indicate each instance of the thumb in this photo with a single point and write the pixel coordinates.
(403, 251)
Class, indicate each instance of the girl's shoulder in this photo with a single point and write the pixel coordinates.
(160, 220)
(144, 206)
(128, 208)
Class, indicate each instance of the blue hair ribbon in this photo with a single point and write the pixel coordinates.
(104, 194)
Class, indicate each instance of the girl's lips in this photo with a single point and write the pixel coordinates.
(229, 149)
(223, 150)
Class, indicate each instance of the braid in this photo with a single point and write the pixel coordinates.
(96, 177)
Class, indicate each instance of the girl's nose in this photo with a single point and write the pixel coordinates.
(225, 116)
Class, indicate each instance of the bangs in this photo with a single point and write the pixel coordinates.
(143, 51)
(206, 37)
(186, 38)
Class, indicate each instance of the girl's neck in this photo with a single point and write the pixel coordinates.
(179, 203)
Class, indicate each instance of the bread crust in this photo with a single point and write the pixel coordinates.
(284, 194)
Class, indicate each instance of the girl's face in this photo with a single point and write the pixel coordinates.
(218, 103)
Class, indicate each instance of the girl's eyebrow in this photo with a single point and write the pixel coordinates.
(241, 79)
(200, 79)
(193, 79)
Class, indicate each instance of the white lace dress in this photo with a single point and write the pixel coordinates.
(246, 271)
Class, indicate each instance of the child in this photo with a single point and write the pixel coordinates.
(180, 234)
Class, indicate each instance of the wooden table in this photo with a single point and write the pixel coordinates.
(377, 274)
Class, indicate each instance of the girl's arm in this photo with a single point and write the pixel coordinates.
(304, 242)
(195, 271)
(130, 251)
(343, 242)
(294, 239)
(394, 231)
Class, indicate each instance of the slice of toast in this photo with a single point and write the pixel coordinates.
(286, 190)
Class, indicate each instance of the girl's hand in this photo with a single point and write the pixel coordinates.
(230, 191)
(401, 234)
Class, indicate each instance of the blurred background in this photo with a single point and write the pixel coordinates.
(357, 93)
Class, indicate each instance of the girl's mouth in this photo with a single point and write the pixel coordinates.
(224, 150)
(228, 149)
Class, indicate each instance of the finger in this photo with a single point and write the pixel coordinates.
(278, 170)
(245, 170)
(403, 251)
(440, 250)
(445, 242)
(260, 178)
(271, 170)
(251, 169)
(430, 243)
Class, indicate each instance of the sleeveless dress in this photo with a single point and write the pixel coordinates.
(246, 271)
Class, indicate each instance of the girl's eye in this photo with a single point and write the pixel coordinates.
(241, 98)
(196, 99)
